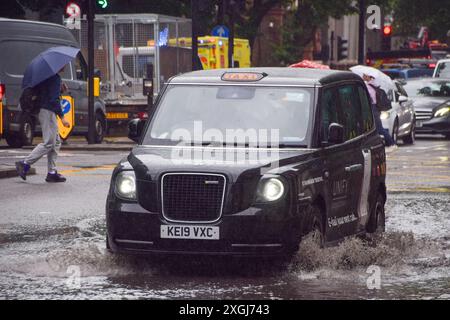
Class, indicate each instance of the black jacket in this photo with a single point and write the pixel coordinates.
(50, 91)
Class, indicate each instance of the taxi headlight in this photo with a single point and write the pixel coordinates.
(271, 189)
(384, 115)
(125, 185)
(442, 112)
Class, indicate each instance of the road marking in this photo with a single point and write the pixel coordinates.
(421, 189)
(82, 170)
(420, 175)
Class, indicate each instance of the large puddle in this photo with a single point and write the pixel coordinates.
(410, 261)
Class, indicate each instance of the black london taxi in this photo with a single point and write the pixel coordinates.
(247, 162)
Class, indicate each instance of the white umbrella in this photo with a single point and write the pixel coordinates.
(380, 79)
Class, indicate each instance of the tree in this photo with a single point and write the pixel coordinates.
(252, 12)
(409, 15)
(302, 22)
(12, 9)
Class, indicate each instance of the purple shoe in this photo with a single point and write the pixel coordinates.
(22, 169)
(55, 177)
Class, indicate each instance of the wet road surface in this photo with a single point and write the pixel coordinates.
(52, 243)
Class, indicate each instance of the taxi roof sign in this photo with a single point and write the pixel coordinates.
(243, 76)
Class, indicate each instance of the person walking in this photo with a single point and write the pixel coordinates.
(50, 108)
(389, 141)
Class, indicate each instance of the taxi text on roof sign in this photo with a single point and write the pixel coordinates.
(243, 76)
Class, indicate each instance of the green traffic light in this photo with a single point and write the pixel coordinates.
(102, 3)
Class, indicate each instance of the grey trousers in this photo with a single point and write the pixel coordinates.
(51, 144)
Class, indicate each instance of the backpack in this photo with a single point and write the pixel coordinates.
(383, 102)
(30, 101)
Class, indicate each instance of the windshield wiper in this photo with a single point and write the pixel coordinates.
(291, 145)
(242, 145)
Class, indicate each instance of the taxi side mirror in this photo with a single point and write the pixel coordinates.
(335, 133)
(135, 129)
(402, 99)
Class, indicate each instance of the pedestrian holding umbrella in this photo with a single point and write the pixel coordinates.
(376, 80)
(42, 74)
(380, 79)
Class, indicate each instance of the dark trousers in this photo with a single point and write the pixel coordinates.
(382, 131)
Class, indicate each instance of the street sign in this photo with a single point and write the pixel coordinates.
(220, 31)
(74, 12)
(102, 3)
(68, 109)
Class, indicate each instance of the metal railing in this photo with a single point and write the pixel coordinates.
(124, 45)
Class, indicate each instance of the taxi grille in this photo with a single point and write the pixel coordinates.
(192, 197)
(423, 115)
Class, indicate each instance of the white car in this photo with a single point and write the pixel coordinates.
(401, 119)
(442, 69)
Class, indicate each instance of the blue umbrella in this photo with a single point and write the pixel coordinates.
(47, 64)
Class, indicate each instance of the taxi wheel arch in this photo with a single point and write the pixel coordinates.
(377, 216)
(317, 219)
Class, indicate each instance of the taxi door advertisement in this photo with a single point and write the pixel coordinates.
(68, 108)
(2, 93)
(1, 118)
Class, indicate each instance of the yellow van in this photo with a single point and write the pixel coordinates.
(213, 51)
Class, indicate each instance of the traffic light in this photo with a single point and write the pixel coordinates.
(342, 49)
(102, 3)
(386, 37)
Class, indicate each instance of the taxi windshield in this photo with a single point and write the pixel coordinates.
(232, 115)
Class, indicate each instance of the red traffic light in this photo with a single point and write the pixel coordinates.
(387, 30)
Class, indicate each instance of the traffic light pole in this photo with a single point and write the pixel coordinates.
(91, 114)
(194, 17)
(231, 37)
(361, 33)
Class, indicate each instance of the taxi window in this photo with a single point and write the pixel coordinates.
(329, 111)
(350, 107)
(366, 110)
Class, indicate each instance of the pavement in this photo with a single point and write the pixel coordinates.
(117, 144)
(10, 172)
(80, 143)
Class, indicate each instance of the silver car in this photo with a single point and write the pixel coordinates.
(401, 119)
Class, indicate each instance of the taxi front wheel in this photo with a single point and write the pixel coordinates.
(377, 217)
(315, 228)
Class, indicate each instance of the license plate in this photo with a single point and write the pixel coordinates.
(189, 232)
(419, 124)
(117, 115)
